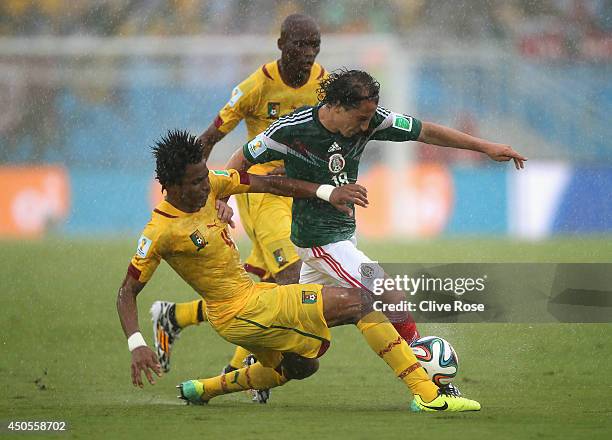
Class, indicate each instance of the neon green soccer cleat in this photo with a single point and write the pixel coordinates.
(444, 402)
(191, 392)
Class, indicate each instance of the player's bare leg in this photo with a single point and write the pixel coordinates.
(298, 367)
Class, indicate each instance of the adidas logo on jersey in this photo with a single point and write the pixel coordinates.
(334, 147)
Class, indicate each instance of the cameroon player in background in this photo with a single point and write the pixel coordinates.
(274, 90)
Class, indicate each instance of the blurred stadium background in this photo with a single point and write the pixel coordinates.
(86, 87)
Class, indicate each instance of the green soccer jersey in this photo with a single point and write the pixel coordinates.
(313, 153)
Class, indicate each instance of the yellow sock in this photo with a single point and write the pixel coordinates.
(238, 357)
(190, 313)
(254, 377)
(391, 347)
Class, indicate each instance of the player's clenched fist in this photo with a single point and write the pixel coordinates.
(144, 360)
(225, 212)
(349, 194)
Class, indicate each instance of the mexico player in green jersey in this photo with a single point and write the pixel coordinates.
(324, 144)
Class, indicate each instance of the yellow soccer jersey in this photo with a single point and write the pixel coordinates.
(199, 248)
(262, 98)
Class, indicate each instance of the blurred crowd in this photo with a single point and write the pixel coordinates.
(463, 19)
(36, 106)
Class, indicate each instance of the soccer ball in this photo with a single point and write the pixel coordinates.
(437, 357)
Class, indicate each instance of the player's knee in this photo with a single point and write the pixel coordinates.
(298, 367)
(343, 305)
(367, 302)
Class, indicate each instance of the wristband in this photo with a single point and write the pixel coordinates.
(136, 340)
(324, 192)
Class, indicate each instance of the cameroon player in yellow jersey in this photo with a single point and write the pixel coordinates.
(273, 90)
(285, 327)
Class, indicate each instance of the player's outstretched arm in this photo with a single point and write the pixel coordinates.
(143, 358)
(449, 137)
(209, 138)
(340, 197)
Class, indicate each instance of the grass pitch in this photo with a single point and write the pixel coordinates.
(64, 357)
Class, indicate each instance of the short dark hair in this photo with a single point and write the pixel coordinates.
(292, 21)
(173, 152)
(348, 88)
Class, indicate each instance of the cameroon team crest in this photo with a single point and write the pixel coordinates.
(198, 239)
(309, 297)
(273, 110)
(336, 163)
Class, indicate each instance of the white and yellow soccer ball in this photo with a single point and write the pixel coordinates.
(438, 358)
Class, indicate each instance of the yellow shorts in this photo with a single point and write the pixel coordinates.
(267, 221)
(279, 319)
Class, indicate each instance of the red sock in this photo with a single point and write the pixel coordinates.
(407, 329)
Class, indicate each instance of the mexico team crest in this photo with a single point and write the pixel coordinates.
(273, 110)
(198, 239)
(366, 270)
(336, 163)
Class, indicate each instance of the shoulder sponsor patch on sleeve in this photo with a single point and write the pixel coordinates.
(402, 122)
(257, 146)
(221, 173)
(236, 94)
(144, 244)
